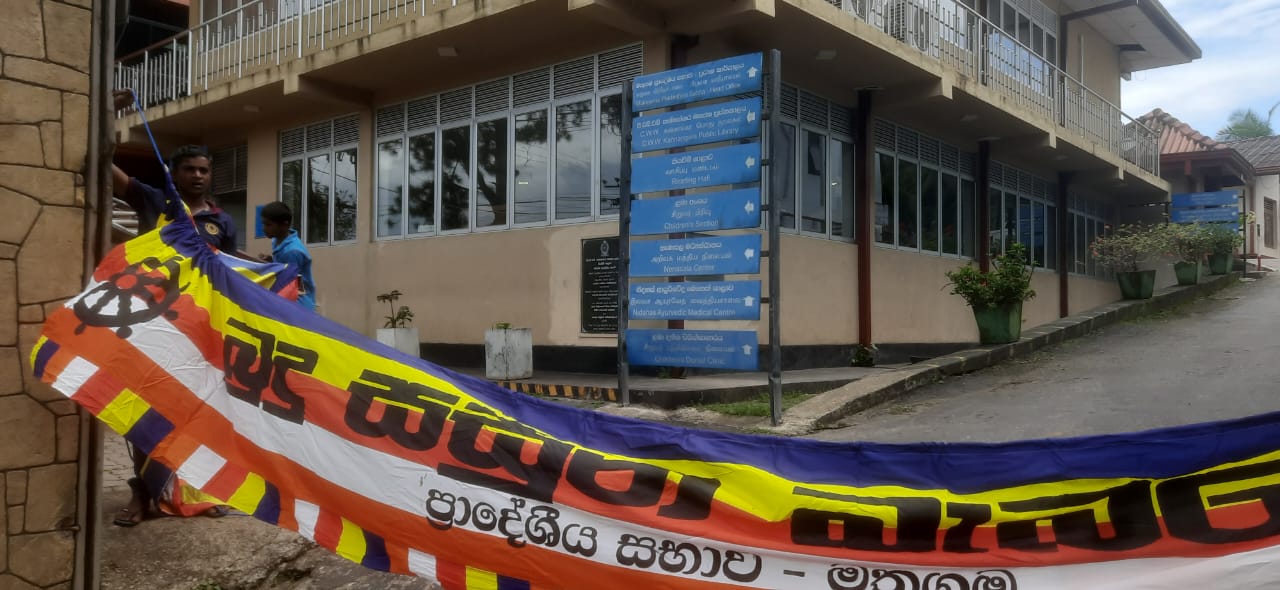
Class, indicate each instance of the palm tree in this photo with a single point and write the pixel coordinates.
(1246, 124)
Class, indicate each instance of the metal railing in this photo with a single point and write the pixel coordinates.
(966, 41)
(124, 220)
(159, 73)
(266, 33)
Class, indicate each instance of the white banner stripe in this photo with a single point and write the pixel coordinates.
(201, 466)
(307, 515)
(74, 376)
(422, 564)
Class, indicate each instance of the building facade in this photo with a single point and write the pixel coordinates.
(462, 152)
(1263, 153)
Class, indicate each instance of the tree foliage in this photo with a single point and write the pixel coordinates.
(1247, 124)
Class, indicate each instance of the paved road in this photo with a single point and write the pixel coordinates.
(1214, 359)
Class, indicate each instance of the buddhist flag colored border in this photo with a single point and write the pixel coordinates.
(404, 466)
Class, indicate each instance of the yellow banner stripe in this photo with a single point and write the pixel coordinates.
(481, 580)
(351, 543)
(124, 411)
(250, 493)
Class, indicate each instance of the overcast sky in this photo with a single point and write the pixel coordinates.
(1240, 40)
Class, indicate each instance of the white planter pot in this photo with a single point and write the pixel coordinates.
(508, 353)
(402, 339)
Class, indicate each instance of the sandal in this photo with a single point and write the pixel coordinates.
(126, 517)
(215, 512)
(130, 516)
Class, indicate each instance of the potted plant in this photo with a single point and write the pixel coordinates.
(996, 296)
(1223, 242)
(508, 352)
(1189, 244)
(1123, 251)
(396, 331)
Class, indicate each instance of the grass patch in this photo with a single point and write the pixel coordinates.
(756, 407)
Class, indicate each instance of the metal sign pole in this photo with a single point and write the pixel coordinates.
(775, 220)
(624, 247)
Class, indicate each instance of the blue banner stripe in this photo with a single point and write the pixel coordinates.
(375, 553)
(269, 506)
(149, 430)
(45, 353)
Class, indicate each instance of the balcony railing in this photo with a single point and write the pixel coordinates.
(266, 33)
(962, 39)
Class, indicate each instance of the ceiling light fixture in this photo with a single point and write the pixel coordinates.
(447, 51)
(825, 55)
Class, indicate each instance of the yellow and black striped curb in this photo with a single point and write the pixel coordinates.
(583, 392)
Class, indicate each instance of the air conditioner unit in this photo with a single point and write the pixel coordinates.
(911, 23)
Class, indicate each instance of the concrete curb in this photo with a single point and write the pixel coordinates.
(826, 409)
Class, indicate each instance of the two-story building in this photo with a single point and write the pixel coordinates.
(462, 151)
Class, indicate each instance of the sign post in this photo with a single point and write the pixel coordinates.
(725, 131)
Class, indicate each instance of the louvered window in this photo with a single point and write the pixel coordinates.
(318, 175)
(390, 120)
(422, 113)
(532, 87)
(575, 77)
(230, 169)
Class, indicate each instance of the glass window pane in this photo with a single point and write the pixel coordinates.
(1082, 246)
(929, 209)
(1050, 49)
(813, 187)
(531, 159)
(455, 178)
(950, 214)
(1042, 230)
(390, 199)
(491, 173)
(573, 160)
(908, 205)
(317, 230)
(969, 218)
(422, 183)
(344, 195)
(1010, 21)
(610, 153)
(1010, 219)
(784, 177)
(1051, 237)
(842, 190)
(995, 221)
(1037, 40)
(1026, 227)
(291, 190)
(885, 199)
(1091, 233)
(1024, 30)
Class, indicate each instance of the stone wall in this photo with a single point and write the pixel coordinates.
(44, 125)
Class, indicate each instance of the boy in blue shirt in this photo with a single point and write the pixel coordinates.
(287, 248)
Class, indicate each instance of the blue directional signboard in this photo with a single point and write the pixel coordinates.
(719, 255)
(1213, 199)
(735, 164)
(716, 79)
(700, 300)
(1210, 215)
(707, 349)
(694, 213)
(725, 121)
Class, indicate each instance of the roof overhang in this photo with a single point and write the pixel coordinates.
(1230, 162)
(1147, 35)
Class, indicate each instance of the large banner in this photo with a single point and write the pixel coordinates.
(401, 465)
